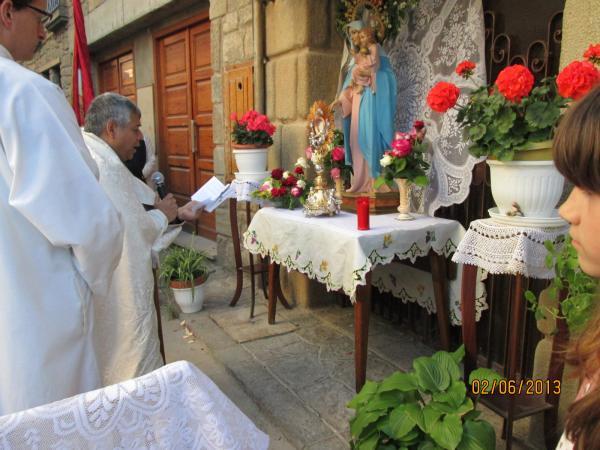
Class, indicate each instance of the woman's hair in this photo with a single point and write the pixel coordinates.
(576, 153)
(577, 143)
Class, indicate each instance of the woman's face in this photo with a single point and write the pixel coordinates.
(582, 211)
(355, 37)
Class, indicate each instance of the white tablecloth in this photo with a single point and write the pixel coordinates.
(506, 249)
(176, 407)
(332, 251)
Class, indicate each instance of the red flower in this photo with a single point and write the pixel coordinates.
(278, 192)
(296, 191)
(290, 181)
(335, 173)
(577, 79)
(401, 148)
(592, 54)
(276, 174)
(233, 117)
(298, 170)
(443, 96)
(465, 69)
(419, 125)
(515, 82)
(338, 153)
(248, 116)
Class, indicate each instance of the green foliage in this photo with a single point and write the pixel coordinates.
(329, 163)
(581, 288)
(425, 409)
(183, 264)
(497, 127)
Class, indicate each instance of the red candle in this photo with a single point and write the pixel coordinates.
(362, 212)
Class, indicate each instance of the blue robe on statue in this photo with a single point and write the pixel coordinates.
(376, 117)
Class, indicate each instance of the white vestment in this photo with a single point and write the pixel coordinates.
(60, 240)
(126, 331)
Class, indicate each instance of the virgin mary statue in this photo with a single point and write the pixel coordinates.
(368, 104)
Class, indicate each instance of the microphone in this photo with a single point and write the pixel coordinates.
(159, 180)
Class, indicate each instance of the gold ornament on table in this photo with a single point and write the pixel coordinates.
(321, 199)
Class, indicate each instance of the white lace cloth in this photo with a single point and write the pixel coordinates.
(439, 35)
(506, 249)
(175, 407)
(332, 251)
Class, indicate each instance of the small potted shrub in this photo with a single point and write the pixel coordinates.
(185, 270)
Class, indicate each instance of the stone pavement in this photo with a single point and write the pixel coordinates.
(295, 386)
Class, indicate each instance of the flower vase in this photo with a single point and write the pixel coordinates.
(251, 162)
(339, 188)
(404, 208)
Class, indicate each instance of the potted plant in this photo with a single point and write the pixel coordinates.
(512, 123)
(251, 136)
(285, 189)
(404, 164)
(186, 270)
(427, 408)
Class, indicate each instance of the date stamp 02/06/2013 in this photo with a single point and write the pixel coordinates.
(515, 387)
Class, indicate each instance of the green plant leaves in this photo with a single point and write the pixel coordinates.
(477, 435)
(447, 433)
(483, 373)
(455, 395)
(368, 390)
(400, 381)
(401, 422)
(431, 376)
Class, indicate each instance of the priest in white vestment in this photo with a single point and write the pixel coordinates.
(60, 235)
(126, 332)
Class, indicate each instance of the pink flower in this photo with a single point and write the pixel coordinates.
(296, 191)
(265, 186)
(308, 152)
(335, 173)
(338, 153)
(401, 147)
(233, 117)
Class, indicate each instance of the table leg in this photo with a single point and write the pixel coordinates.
(516, 328)
(237, 251)
(440, 292)
(469, 324)
(273, 291)
(362, 310)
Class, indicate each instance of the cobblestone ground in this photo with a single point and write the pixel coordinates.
(294, 385)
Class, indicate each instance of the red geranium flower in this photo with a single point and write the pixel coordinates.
(338, 153)
(515, 82)
(443, 96)
(576, 79)
(298, 170)
(592, 54)
(276, 174)
(233, 117)
(465, 69)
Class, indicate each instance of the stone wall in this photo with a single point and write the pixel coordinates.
(581, 27)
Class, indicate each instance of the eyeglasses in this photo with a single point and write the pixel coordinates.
(46, 14)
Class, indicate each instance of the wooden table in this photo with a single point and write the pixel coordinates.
(332, 251)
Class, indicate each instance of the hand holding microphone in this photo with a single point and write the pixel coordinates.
(167, 204)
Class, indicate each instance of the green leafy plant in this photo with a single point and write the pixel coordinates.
(425, 409)
(581, 288)
(183, 264)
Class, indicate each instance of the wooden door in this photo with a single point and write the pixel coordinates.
(118, 75)
(185, 113)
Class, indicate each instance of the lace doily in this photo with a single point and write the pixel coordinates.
(506, 249)
(439, 34)
(176, 407)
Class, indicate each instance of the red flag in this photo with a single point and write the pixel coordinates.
(81, 66)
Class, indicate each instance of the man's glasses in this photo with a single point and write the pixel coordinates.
(46, 15)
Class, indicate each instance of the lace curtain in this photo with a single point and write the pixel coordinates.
(439, 34)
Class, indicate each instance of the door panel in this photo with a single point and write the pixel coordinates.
(118, 75)
(185, 105)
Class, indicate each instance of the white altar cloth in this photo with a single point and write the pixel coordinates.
(176, 407)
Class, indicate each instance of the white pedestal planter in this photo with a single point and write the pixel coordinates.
(536, 186)
(251, 163)
(189, 300)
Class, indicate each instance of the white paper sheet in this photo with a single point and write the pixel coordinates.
(212, 194)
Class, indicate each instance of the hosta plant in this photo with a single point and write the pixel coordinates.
(425, 409)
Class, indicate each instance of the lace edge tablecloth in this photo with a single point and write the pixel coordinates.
(506, 249)
(329, 250)
(175, 407)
